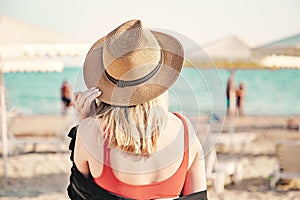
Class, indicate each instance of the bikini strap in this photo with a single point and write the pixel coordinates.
(186, 137)
(106, 152)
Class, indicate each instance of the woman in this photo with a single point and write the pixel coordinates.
(131, 146)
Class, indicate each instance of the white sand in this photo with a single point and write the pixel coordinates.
(44, 174)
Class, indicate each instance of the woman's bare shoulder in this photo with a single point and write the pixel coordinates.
(89, 129)
(89, 124)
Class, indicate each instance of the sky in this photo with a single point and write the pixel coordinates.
(256, 22)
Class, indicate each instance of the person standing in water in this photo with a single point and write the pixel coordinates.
(240, 99)
(66, 96)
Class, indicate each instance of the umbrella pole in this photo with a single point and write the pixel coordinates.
(3, 126)
(232, 102)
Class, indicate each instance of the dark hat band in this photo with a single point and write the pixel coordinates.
(122, 83)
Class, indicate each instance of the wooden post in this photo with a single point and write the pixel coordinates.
(3, 125)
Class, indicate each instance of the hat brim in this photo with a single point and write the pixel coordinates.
(172, 62)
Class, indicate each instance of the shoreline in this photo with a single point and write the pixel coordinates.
(51, 125)
(40, 125)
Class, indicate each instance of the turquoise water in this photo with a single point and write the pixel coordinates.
(197, 91)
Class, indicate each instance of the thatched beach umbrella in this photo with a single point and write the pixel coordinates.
(228, 53)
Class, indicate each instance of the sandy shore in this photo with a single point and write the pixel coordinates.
(43, 174)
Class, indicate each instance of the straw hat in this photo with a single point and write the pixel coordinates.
(132, 65)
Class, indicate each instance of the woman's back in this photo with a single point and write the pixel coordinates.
(167, 164)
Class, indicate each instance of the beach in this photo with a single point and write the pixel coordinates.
(241, 54)
(42, 172)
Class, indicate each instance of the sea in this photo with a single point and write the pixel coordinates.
(197, 91)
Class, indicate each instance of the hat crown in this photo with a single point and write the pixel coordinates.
(130, 51)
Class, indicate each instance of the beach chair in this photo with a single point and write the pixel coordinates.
(12, 142)
(217, 170)
(219, 167)
(8, 141)
(25, 133)
(288, 162)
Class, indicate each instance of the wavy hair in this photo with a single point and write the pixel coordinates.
(134, 129)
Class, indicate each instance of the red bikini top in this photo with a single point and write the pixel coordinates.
(167, 188)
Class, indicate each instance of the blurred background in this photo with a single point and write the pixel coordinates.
(240, 76)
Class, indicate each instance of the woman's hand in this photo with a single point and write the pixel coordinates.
(83, 101)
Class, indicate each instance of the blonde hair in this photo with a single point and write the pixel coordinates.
(135, 129)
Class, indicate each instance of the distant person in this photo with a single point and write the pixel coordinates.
(132, 147)
(230, 94)
(240, 99)
(66, 96)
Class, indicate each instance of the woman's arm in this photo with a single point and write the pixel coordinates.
(196, 175)
(80, 155)
(195, 180)
(85, 141)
